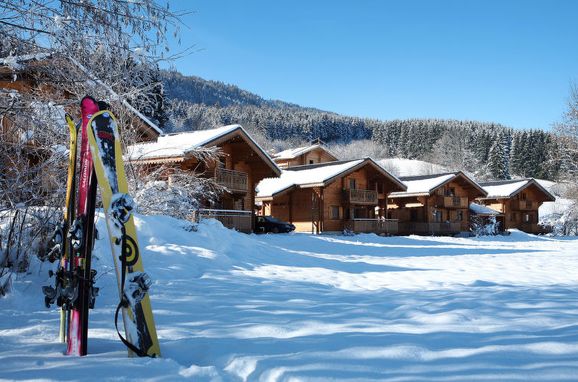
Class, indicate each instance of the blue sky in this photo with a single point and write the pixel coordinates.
(509, 62)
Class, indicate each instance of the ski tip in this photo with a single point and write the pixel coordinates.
(86, 99)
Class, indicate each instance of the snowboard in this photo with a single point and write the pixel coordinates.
(81, 235)
(141, 338)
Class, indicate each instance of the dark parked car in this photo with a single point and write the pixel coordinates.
(271, 224)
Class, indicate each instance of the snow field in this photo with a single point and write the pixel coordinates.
(291, 307)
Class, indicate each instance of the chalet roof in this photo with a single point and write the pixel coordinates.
(425, 185)
(482, 210)
(176, 147)
(504, 189)
(316, 175)
(294, 153)
(16, 63)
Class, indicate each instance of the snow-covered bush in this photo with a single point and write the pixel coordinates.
(24, 232)
(485, 227)
(174, 192)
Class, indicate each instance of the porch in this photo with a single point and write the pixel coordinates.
(419, 228)
(378, 226)
(239, 220)
(234, 181)
(363, 197)
(452, 202)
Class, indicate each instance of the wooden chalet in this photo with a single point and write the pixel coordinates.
(243, 164)
(301, 156)
(434, 204)
(331, 196)
(518, 202)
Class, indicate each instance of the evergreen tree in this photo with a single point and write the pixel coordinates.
(498, 158)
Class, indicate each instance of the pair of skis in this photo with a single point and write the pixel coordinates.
(101, 163)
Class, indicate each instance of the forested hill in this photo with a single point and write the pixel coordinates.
(488, 149)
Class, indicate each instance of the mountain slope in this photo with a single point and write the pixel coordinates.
(485, 148)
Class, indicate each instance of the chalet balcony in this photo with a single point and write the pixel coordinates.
(452, 202)
(234, 181)
(524, 205)
(378, 226)
(238, 220)
(366, 197)
(419, 228)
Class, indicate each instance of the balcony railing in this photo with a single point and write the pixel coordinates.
(418, 228)
(354, 196)
(379, 226)
(235, 219)
(524, 205)
(235, 181)
(452, 202)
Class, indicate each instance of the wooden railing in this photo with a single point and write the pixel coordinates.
(452, 202)
(235, 181)
(355, 196)
(410, 228)
(235, 219)
(379, 226)
(524, 205)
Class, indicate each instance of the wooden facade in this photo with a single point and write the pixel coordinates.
(348, 198)
(518, 200)
(304, 156)
(434, 204)
(243, 164)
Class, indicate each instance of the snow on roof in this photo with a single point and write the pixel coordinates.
(177, 145)
(303, 176)
(503, 189)
(15, 62)
(422, 185)
(480, 209)
(294, 153)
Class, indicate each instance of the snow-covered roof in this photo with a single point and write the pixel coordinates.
(177, 146)
(504, 189)
(480, 209)
(294, 153)
(15, 62)
(424, 185)
(314, 175)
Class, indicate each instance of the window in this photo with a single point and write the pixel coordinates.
(461, 216)
(352, 184)
(335, 215)
(311, 161)
(527, 218)
(523, 196)
(437, 216)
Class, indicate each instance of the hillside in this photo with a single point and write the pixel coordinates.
(489, 150)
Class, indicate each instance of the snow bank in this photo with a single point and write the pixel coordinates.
(236, 307)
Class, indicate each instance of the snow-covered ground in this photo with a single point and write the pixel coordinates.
(291, 307)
